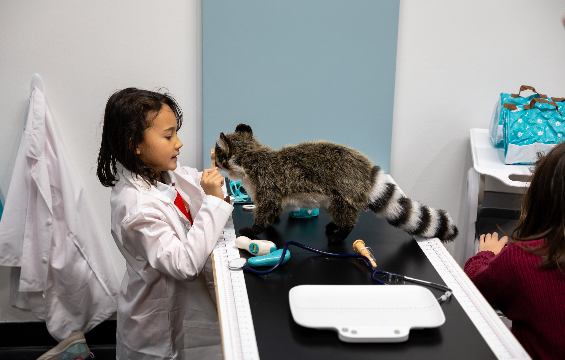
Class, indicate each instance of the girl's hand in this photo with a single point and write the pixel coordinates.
(490, 242)
(212, 182)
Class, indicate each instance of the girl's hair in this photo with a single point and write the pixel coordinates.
(543, 209)
(129, 112)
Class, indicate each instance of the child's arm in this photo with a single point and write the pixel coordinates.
(150, 235)
(490, 269)
(489, 246)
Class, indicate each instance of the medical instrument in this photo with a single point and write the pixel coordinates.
(380, 276)
(236, 191)
(264, 260)
(255, 247)
(269, 259)
(359, 246)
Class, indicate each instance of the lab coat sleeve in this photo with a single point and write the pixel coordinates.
(153, 237)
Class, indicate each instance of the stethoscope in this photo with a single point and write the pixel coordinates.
(387, 277)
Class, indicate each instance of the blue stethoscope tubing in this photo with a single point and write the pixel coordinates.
(354, 256)
(391, 276)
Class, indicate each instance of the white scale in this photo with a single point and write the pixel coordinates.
(238, 333)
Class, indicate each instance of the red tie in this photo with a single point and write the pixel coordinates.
(179, 202)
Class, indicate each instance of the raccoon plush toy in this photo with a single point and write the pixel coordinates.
(321, 174)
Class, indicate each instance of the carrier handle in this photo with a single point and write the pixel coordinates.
(527, 87)
(534, 101)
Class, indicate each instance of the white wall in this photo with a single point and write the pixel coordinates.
(454, 58)
(85, 51)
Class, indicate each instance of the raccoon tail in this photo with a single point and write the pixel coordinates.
(387, 201)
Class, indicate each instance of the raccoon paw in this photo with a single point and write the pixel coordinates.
(336, 238)
(251, 230)
(340, 235)
(331, 227)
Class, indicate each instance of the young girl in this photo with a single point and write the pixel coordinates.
(165, 220)
(526, 279)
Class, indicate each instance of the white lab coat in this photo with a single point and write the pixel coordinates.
(49, 231)
(165, 310)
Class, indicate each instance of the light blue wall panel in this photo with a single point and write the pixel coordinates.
(297, 70)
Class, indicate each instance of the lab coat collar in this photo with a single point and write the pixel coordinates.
(35, 125)
(167, 188)
(164, 192)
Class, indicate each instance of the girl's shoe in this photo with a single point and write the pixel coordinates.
(72, 348)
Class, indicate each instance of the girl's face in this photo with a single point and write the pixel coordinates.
(160, 145)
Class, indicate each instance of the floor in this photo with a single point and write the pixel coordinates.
(29, 340)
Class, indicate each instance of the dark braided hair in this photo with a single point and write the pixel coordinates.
(543, 209)
(129, 112)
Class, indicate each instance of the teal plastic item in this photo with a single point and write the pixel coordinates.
(304, 213)
(270, 259)
(237, 193)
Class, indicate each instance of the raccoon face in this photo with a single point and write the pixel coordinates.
(223, 152)
(229, 146)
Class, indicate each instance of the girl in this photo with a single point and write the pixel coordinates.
(165, 221)
(526, 279)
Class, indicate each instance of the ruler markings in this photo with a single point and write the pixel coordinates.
(496, 334)
(232, 349)
(235, 302)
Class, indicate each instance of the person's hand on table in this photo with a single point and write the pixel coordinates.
(488, 242)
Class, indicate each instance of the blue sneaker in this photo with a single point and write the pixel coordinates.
(72, 348)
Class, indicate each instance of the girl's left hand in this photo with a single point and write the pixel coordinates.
(490, 242)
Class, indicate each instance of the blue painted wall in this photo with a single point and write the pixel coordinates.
(298, 70)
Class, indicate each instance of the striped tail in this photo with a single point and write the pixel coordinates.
(387, 201)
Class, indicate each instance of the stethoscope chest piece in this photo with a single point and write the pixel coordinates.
(237, 264)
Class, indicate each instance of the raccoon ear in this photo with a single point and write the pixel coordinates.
(244, 128)
(220, 143)
(228, 143)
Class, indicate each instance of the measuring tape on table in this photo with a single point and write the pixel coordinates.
(236, 323)
(496, 334)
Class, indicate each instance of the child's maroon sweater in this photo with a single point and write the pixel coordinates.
(533, 298)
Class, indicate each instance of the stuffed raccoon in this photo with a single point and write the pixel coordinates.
(321, 174)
